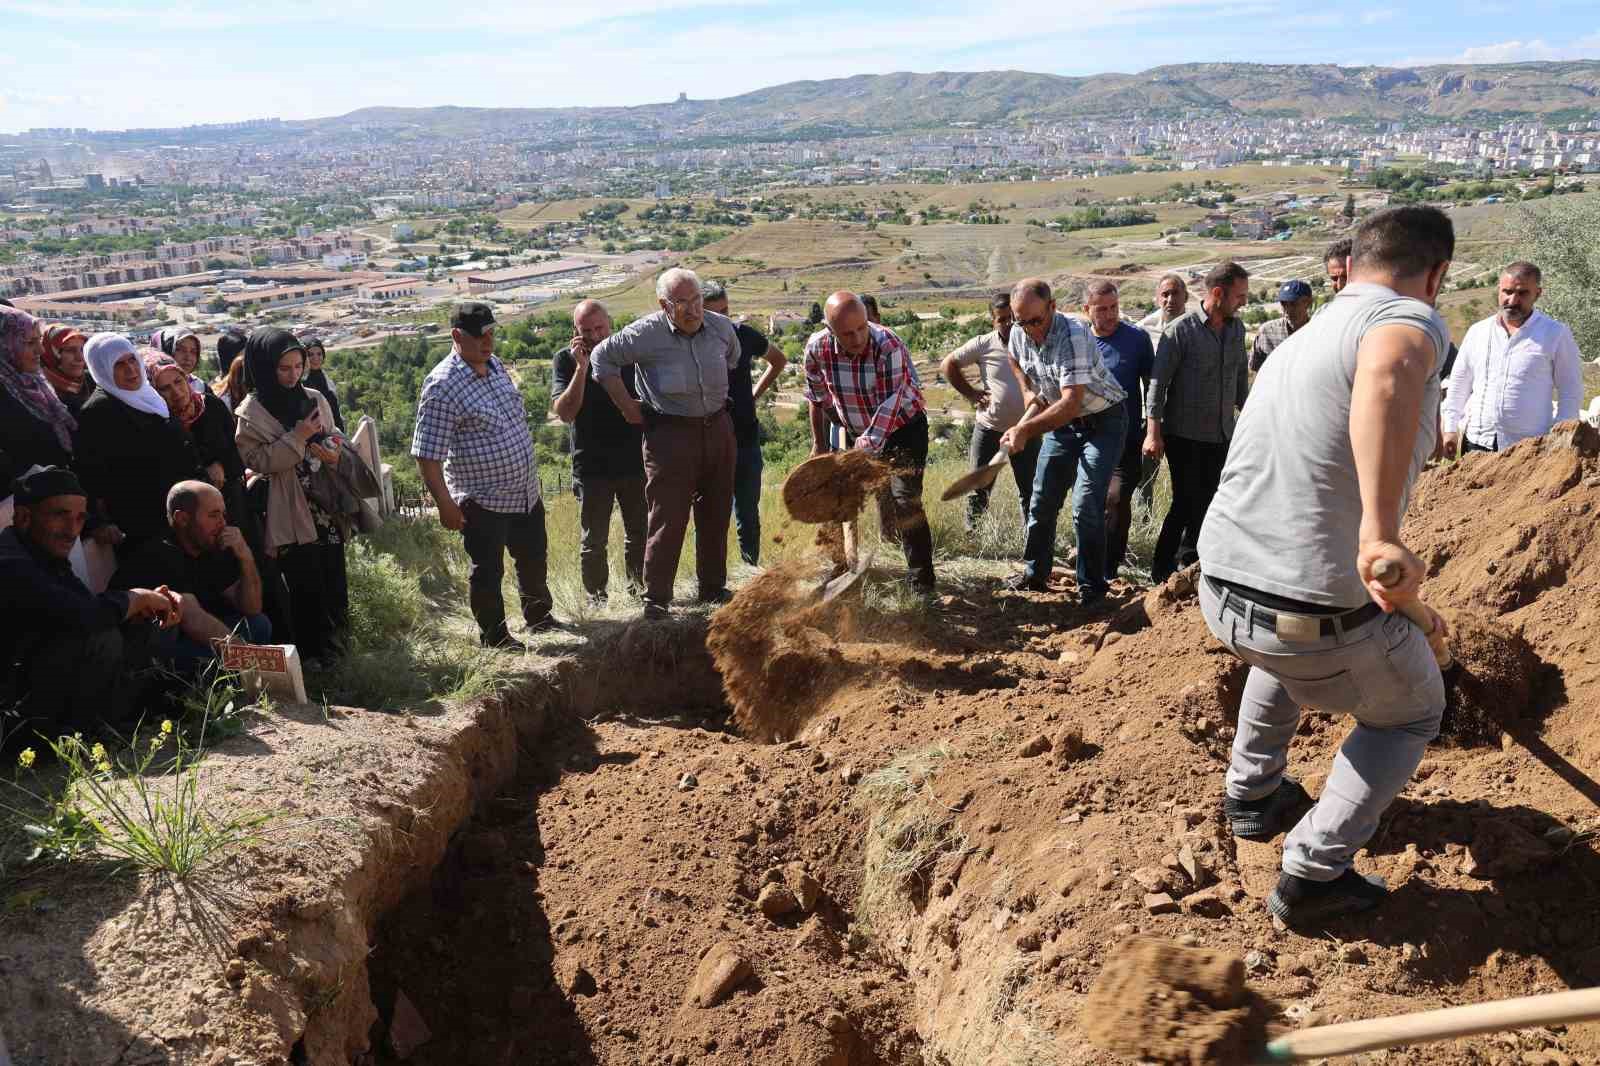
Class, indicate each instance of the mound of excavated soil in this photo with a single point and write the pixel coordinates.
(1163, 1003)
(1492, 690)
(833, 487)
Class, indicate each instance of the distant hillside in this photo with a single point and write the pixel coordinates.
(892, 102)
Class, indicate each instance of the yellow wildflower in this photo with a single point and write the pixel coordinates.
(102, 761)
(25, 760)
(166, 727)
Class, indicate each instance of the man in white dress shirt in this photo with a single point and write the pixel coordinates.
(1509, 367)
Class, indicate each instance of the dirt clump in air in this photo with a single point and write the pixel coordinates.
(833, 487)
(1161, 1002)
(1493, 685)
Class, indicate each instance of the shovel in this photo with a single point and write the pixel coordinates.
(1388, 575)
(1349, 1038)
(858, 565)
(980, 478)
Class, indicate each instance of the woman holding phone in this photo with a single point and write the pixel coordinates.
(286, 433)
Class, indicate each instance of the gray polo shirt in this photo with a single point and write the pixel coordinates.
(1199, 379)
(1286, 518)
(678, 373)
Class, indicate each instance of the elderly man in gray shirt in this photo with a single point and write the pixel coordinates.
(682, 355)
(1201, 374)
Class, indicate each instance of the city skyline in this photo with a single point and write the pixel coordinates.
(94, 65)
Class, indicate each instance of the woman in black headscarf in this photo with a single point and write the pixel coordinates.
(283, 434)
(316, 379)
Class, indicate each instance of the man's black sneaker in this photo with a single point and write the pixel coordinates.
(1023, 583)
(506, 642)
(654, 612)
(1262, 819)
(548, 624)
(1298, 900)
(716, 597)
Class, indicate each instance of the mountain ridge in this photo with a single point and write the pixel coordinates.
(908, 100)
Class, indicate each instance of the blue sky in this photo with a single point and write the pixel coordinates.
(110, 64)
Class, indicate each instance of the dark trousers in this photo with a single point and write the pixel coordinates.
(1125, 479)
(75, 682)
(319, 597)
(747, 501)
(688, 469)
(985, 442)
(596, 495)
(901, 519)
(1079, 457)
(489, 536)
(1196, 468)
(1473, 446)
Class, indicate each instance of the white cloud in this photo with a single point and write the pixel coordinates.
(1534, 50)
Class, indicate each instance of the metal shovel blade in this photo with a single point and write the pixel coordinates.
(980, 478)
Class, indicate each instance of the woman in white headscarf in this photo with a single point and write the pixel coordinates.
(130, 448)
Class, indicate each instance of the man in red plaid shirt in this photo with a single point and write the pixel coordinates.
(859, 376)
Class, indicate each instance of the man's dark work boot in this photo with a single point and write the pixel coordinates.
(1262, 819)
(1298, 901)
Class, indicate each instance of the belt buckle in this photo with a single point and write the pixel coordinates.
(1298, 628)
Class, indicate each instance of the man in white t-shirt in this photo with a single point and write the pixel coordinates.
(1340, 421)
(997, 401)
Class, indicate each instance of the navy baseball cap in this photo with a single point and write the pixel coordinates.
(1290, 291)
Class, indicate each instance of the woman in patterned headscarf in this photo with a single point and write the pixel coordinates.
(64, 367)
(35, 428)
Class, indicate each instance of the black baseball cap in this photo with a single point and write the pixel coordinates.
(44, 483)
(472, 317)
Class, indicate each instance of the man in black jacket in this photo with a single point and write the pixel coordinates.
(607, 454)
(67, 655)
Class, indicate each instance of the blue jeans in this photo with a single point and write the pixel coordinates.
(188, 656)
(1081, 455)
(747, 501)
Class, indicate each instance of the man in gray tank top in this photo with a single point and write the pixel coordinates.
(1311, 499)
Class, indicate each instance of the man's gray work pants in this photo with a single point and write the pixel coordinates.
(1382, 674)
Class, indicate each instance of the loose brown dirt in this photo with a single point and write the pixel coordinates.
(966, 812)
(833, 487)
(1164, 1003)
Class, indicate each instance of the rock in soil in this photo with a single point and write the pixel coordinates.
(1177, 1006)
(721, 971)
(776, 901)
(407, 1030)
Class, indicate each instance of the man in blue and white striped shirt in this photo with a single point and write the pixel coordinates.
(476, 455)
(1075, 403)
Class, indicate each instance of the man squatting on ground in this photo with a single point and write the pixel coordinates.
(476, 456)
(78, 654)
(859, 376)
(743, 395)
(997, 405)
(1311, 500)
(1070, 399)
(607, 460)
(683, 355)
(1201, 375)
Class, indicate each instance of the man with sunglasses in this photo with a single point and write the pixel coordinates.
(1076, 405)
(682, 355)
(859, 376)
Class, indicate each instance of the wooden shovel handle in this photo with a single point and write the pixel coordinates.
(1388, 574)
(1348, 1038)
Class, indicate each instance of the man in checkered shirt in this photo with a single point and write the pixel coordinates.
(859, 377)
(476, 456)
(1075, 403)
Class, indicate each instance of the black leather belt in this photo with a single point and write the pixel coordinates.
(1233, 599)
